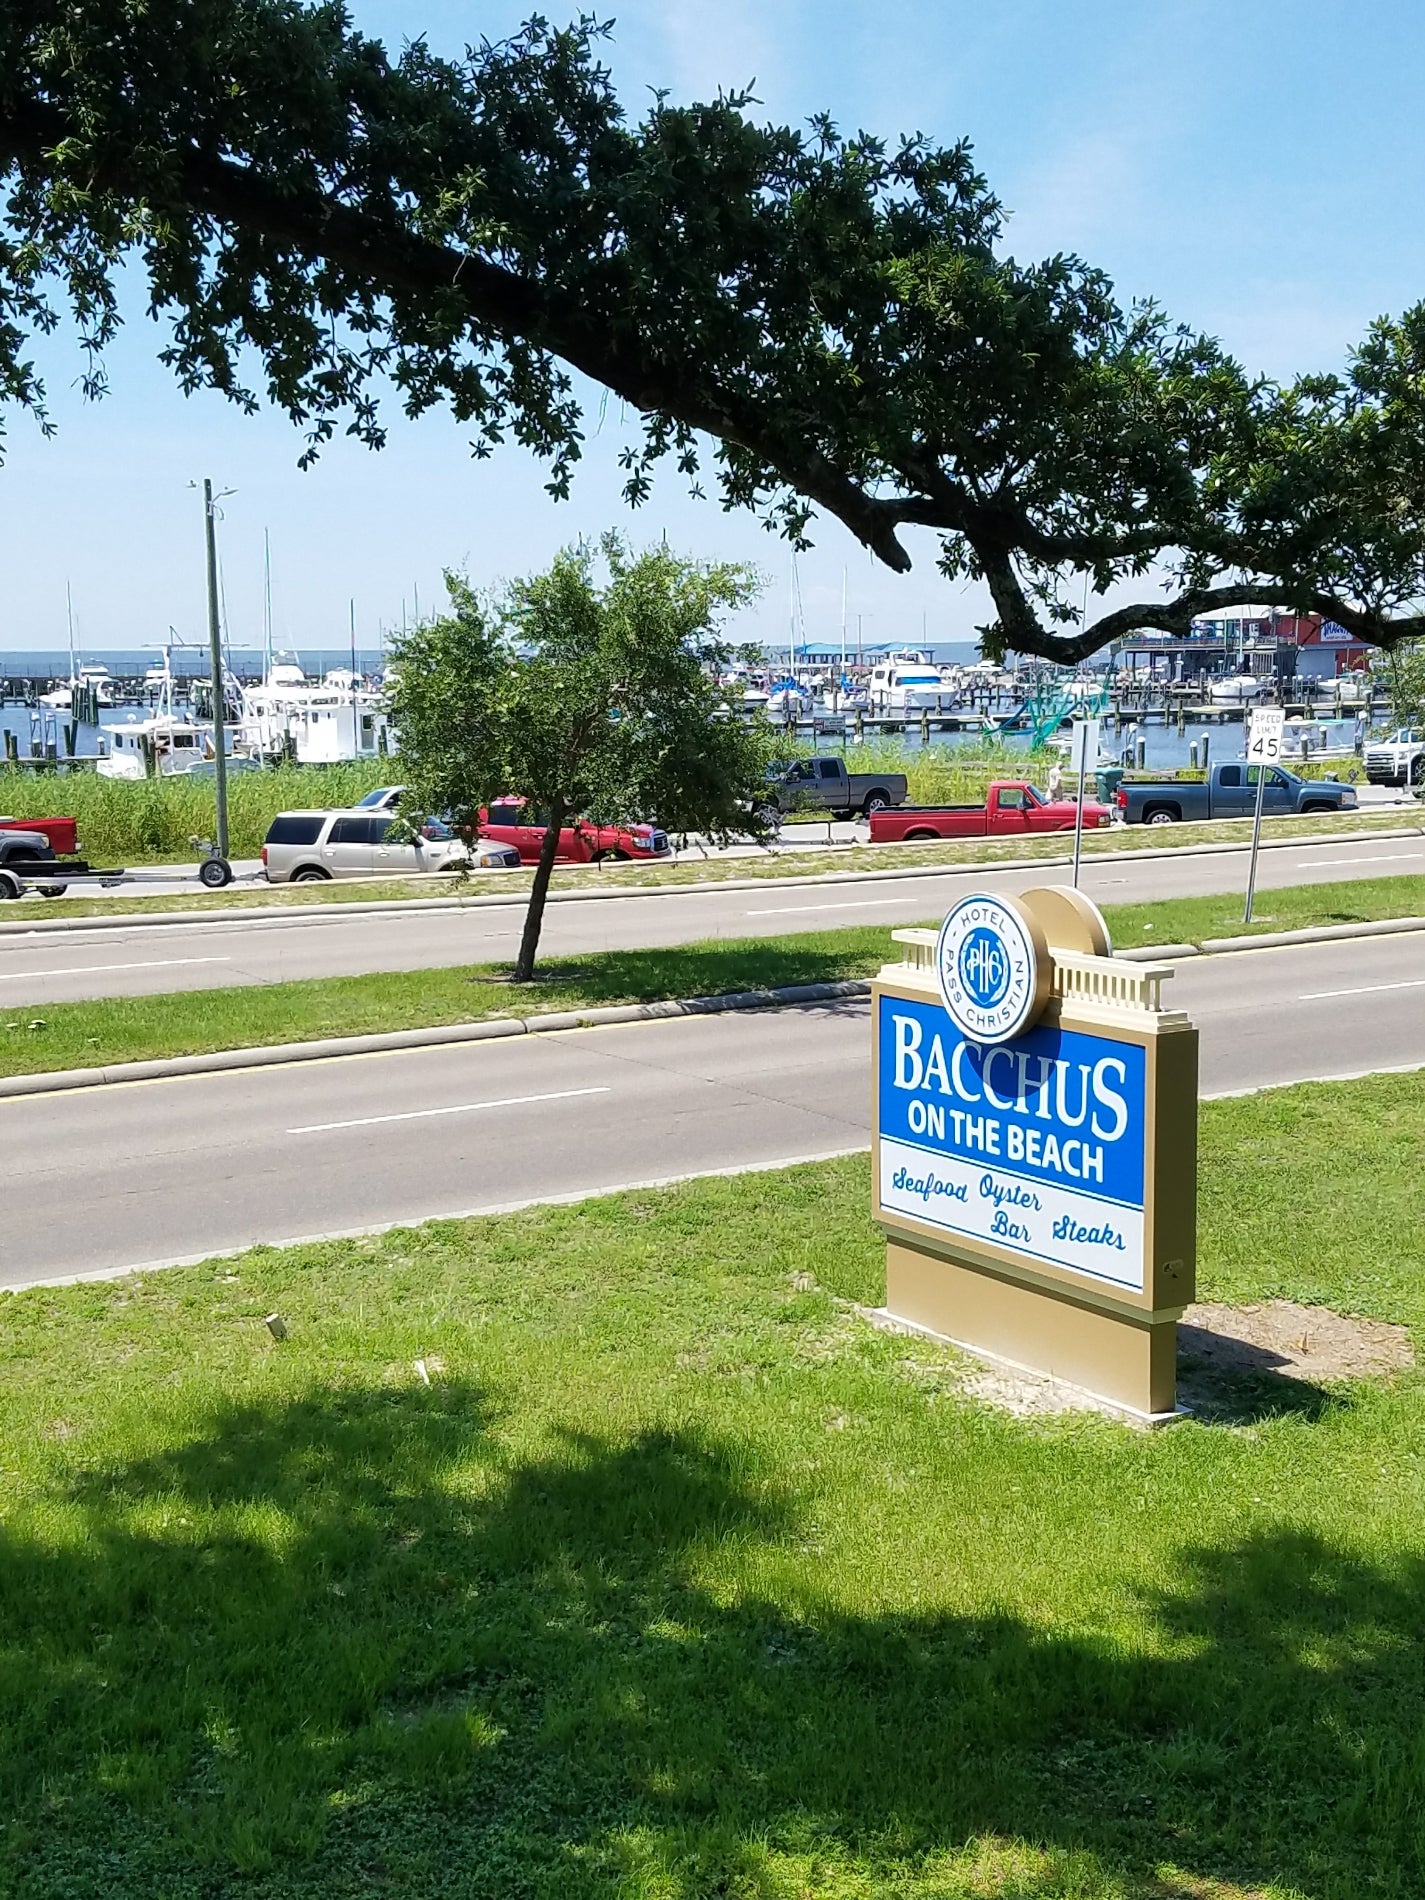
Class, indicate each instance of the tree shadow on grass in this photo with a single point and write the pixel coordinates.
(703, 969)
(1224, 1380)
(347, 1647)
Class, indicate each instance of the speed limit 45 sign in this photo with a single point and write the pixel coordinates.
(1264, 734)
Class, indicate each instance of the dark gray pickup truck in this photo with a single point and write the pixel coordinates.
(824, 783)
(1229, 791)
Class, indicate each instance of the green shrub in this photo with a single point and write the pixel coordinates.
(150, 821)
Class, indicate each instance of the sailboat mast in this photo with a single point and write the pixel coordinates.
(843, 623)
(69, 619)
(266, 604)
(792, 618)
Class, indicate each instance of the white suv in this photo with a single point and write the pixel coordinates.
(307, 847)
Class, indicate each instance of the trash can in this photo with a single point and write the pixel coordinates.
(1108, 778)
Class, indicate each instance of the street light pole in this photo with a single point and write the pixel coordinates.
(215, 651)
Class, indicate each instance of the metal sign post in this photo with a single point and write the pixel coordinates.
(1264, 748)
(215, 656)
(1085, 736)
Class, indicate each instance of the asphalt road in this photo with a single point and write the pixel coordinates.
(56, 967)
(153, 1172)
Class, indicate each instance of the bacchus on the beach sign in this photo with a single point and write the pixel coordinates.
(1035, 1117)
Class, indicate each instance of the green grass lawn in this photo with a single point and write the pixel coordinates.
(40, 1037)
(679, 1581)
(690, 868)
(131, 1028)
(1296, 907)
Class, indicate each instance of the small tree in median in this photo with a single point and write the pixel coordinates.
(586, 697)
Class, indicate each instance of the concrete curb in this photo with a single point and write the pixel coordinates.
(162, 1067)
(1270, 940)
(1312, 933)
(54, 1081)
(276, 914)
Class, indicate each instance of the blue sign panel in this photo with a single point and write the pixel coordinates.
(1035, 1145)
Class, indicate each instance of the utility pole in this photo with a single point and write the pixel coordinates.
(215, 652)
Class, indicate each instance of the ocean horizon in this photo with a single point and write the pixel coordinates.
(188, 663)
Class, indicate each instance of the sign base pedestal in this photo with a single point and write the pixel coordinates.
(1129, 1360)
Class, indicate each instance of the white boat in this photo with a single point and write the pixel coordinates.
(323, 725)
(788, 700)
(905, 685)
(1350, 689)
(174, 745)
(842, 697)
(1236, 689)
(164, 744)
(91, 674)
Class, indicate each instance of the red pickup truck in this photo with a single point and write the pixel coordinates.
(1013, 806)
(513, 821)
(63, 833)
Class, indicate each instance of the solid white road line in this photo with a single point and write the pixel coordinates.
(1365, 989)
(458, 1108)
(103, 969)
(860, 903)
(1390, 857)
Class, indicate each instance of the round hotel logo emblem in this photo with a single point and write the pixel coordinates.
(987, 963)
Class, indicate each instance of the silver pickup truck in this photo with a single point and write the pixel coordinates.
(824, 784)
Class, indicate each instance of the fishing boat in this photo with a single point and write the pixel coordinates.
(321, 725)
(166, 744)
(163, 745)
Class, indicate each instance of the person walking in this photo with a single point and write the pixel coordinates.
(1056, 781)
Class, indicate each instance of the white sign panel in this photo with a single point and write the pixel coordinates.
(1264, 735)
(1036, 1146)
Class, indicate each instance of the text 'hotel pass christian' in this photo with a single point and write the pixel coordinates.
(1029, 1139)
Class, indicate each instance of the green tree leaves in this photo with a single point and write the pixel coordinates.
(326, 227)
(587, 694)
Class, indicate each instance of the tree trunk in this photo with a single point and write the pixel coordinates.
(539, 891)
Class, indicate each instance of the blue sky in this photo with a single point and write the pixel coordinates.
(1257, 167)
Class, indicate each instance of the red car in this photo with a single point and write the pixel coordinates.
(61, 832)
(582, 841)
(1012, 808)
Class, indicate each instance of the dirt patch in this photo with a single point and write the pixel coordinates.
(1239, 1364)
(1027, 1394)
(1293, 1342)
(1235, 1364)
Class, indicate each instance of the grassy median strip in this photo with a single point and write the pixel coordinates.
(132, 1028)
(1295, 907)
(40, 1037)
(603, 1553)
(802, 860)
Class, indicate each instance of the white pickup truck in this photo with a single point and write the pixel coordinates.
(1398, 760)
